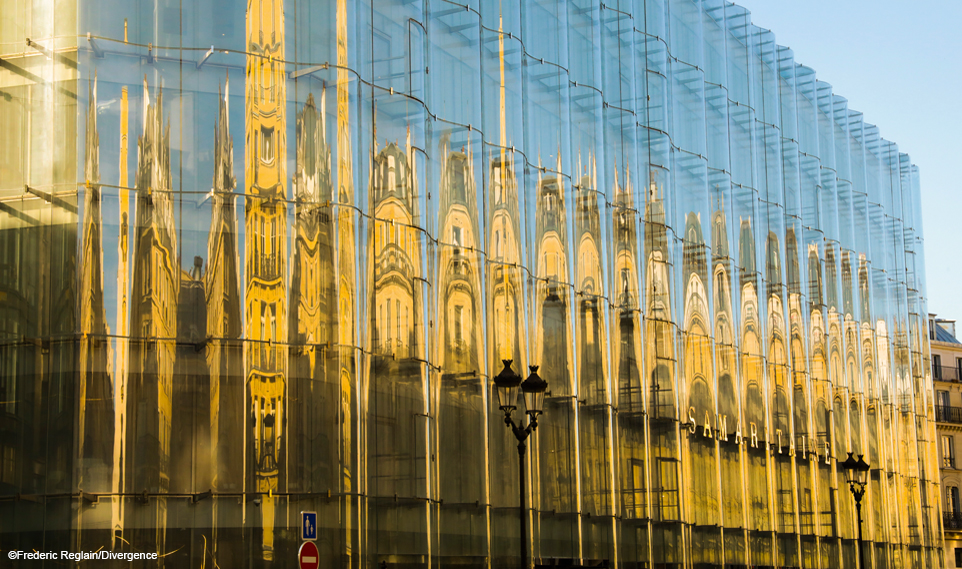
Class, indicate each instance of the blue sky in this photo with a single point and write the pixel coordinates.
(899, 63)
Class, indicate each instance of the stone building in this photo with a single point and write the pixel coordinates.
(947, 378)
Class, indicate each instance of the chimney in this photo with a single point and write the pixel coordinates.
(197, 271)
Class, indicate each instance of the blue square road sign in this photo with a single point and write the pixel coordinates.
(308, 526)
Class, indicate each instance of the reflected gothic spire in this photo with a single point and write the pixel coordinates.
(265, 271)
(153, 322)
(95, 414)
(224, 330)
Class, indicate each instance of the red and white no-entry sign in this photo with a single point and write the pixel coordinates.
(307, 556)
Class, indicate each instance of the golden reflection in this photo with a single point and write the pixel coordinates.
(551, 292)
(801, 385)
(780, 381)
(95, 415)
(345, 267)
(459, 310)
(699, 380)
(663, 451)
(626, 334)
(553, 347)
(265, 270)
(224, 330)
(505, 318)
(589, 284)
(506, 330)
(396, 256)
(462, 414)
(729, 399)
(153, 323)
(820, 442)
(626, 318)
(594, 390)
(311, 275)
(693, 402)
(123, 329)
(755, 398)
(659, 329)
(399, 423)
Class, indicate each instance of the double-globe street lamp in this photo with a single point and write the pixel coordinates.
(856, 474)
(507, 384)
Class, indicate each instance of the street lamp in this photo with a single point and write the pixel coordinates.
(856, 474)
(533, 389)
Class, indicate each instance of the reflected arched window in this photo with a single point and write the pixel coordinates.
(272, 331)
(267, 145)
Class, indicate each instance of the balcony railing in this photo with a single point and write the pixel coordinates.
(945, 373)
(948, 414)
(952, 520)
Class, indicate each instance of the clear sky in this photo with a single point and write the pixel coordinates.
(899, 63)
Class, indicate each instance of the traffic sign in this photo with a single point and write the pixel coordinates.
(308, 526)
(307, 556)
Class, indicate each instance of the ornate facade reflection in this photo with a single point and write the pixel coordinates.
(716, 264)
(265, 269)
(153, 345)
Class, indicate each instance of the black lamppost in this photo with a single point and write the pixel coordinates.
(506, 384)
(856, 474)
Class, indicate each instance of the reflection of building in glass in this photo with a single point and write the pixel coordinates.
(398, 427)
(701, 466)
(265, 265)
(551, 296)
(313, 424)
(505, 317)
(153, 324)
(223, 353)
(348, 483)
(121, 352)
(717, 267)
(95, 421)
(459, 308)
(626, 348)
(589, 283)
(461, 405)
(663, 430)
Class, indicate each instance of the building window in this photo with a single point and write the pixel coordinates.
(458, 326)
(269, 82)
(272, 330)
(267, 145)
(397, 315)
(263, 350)
(948, 452)
(958, 556)
(936, 366)
(952, 507)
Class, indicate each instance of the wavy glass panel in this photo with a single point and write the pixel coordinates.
(716, 265)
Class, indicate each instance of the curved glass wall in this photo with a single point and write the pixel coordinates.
(266, 258)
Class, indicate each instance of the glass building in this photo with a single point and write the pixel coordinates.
(716, 263)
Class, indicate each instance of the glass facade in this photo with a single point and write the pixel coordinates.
(715, 262)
